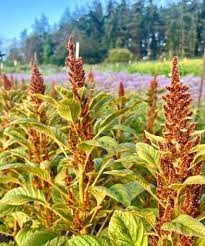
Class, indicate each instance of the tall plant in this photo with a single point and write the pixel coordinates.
(58, 163)
(175, 160)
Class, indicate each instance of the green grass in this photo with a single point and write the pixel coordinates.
(187, 66)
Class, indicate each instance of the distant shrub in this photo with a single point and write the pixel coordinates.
(119, 55)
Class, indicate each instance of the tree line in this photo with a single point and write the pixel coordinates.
(148, 30)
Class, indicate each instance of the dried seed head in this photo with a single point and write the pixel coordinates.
(175, 71)
(7, 84)
(152, 106)
(176, 160)
(53, 89)
(23, 84)
(75, 66)
(121, 89)
(37, 84)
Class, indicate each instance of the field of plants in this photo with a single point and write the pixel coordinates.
(87, 160)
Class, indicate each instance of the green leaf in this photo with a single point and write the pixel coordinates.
(148, 154)
(8, 166)
(118, 192)
(199, 242)
(199, 156)
(197, 133)
(186, 225)
(125, 129)
(47, 99)
(6, 209)
(99, 100)
(130, 175)
(22, 195)
(87, 240)
(108, 143)
(69, 109)
(197, 179)
(134, 159)
(21, 218)
(154, 139)
(104, 142)
(31, 237)
(126, 229)
(59, 241)
(18, 137)
(52, 132)
(65, 93)
(133, 189)
(105, 123)
(98, 104)
(122, 173)
(9, 179)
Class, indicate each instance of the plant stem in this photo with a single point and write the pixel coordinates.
(81, 185)
(101, 171)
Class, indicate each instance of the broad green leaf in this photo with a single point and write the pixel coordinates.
(122, 173)
(104, 142)
(105, 123)
(154, 139)
(87, 240)
(127, 148)
(88, 145)
(149, 214)
(22, 195)
(47, 99)
(62, 209)
(118, 192)
(6, 244)
(37, 171)
(9, 179)
(148, 154)
(186, 225)
(199, 156)
(18, 137)
(52, 132)
(130, 175)
(31, 237)
(197, 148)
(65, 93)
(99, 101)
(108, 143)
(69, 109)
(133, 189)
(199, 242)
(125, 129)
(20, 152)
(134, 159)
(6, 209)
(197, 179)
(59, 241)
(126, 229)
(8, 166)
(21, 218)
(197, 133)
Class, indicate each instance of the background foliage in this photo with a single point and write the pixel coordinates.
(148, 30)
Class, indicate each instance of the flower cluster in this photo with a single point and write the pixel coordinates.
(81, 130)
(36, 85)
(152, 105)
(176, 160)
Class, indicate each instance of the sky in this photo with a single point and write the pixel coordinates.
(17, 15)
